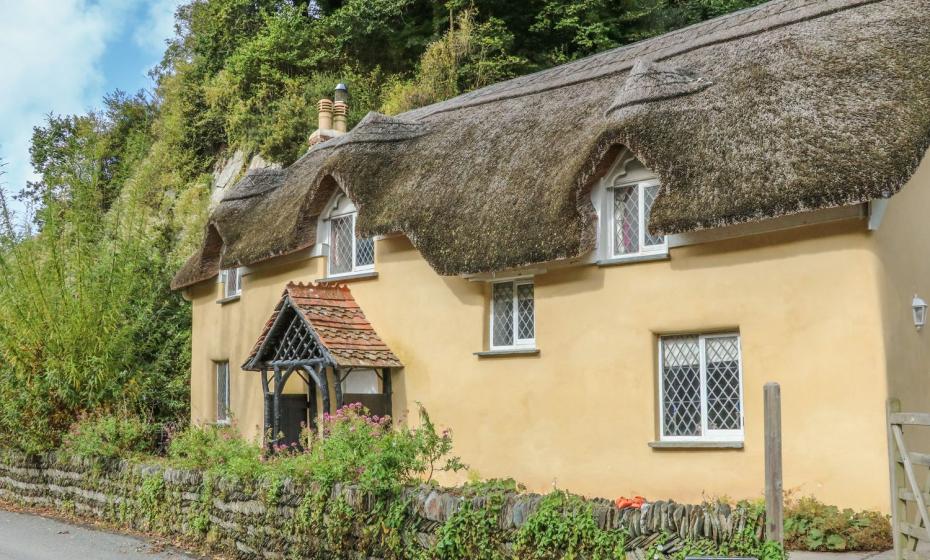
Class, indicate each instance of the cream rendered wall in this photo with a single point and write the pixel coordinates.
(581, 414)
(228, 331)
(902, 244)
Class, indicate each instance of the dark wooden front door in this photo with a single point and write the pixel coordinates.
(294, 417)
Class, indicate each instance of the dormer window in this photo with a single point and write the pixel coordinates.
(348, 253)
(632, 204)
(624, 200)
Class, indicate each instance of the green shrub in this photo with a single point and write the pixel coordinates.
(474, 531)
(350, 447)
(216, 450)
(109, 436)
(813, 525)
(563, 527)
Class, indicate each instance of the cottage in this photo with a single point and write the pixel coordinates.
(589, 273)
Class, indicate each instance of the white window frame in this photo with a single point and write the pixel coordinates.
(224, 368)
(610, 213)
(356, 268)
(518, 343)
(706, 434)
(237, 273)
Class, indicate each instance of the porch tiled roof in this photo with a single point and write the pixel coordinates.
(338, 322)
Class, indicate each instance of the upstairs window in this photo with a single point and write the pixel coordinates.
(222, 392)
(348, 253)
(624, 199)
(700, 388)
(513, 315)
(632, 205)
(232, 282)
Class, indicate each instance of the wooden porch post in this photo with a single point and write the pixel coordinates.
(268, 405)
(337, 387)
(387, 390)
(276, 424)
(324, 388)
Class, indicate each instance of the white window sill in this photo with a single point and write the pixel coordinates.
(229, 299)
(648, 257)
(350, 276)
(696, 444)
(532, 351)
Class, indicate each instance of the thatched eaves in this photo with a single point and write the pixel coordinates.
(791, 106)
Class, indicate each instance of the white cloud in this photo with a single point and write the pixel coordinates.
(51, 53)
(158, 27)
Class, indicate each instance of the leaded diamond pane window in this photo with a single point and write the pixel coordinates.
(723, 383)
(513, 314)
(630, 210)
(650, 192)
(701, 388)
(502, 314)
(681, 383)
(222, 392)
(349, 253)
(341, 239)
(626, 220)
(364, 251)
(526, 328)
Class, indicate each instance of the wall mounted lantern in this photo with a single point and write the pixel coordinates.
(919, 306)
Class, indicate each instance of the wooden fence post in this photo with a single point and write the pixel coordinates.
(895, 474)
(774, 499)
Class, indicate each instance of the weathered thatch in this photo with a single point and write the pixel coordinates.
(791, 106)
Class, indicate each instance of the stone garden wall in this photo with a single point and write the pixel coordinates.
(258, 521)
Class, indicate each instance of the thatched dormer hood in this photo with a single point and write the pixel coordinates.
(791, 106)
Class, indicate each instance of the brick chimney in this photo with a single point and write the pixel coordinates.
(331, 120)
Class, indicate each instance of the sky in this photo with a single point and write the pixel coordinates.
(62, 56)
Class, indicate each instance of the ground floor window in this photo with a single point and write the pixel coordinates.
(700, 388)
(222, 392)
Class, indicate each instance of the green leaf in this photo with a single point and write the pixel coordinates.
(836, 542)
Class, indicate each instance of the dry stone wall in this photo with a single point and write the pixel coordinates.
(257, 520)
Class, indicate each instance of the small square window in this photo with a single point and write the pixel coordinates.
(513, 315)
(222, 392)
(349, 253)
(700, 388)
(232, 282)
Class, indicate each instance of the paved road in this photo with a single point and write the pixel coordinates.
(28, 537)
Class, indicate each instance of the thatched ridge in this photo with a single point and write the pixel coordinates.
(791, 106)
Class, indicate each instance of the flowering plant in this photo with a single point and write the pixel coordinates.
(350, 446)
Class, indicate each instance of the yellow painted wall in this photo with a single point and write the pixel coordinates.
(903, 248)
(582, 413)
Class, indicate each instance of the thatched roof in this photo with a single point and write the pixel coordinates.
(791, 106)
(334, 320)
